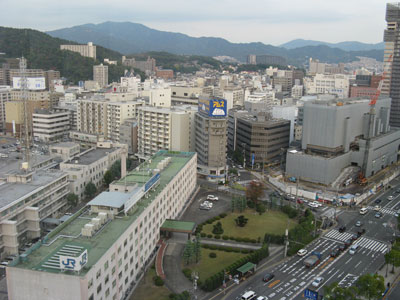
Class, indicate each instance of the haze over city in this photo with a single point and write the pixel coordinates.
(268, 21)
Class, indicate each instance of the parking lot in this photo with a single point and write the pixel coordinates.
(197, 215)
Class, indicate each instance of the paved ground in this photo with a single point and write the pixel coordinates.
(230, 244)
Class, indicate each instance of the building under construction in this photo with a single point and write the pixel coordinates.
(341, 134)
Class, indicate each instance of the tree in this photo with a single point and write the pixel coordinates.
(254, 191)
(72, 199)
(90, 190)
(188, 252)
(336, 292)
(371, 286)
(108, 178)
(241, 221)
(217, 228)
(237, 156)
(197, 248)
(260, 208)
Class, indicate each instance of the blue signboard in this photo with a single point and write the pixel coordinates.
(213, 107)
(310, 294)
(151, 182)
(253, 156)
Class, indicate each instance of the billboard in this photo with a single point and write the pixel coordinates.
(33, 83)
(212, 107)
(73, 263)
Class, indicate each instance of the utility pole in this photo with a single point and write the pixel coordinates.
(25, 133)
(286, 239)
(244, 155)
(297, 189)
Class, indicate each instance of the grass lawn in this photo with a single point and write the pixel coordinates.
(148, 290)
(239, 187)
(209, 266)
(272, 221)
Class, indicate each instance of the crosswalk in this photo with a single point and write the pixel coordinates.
(384, 210)
(363, 242)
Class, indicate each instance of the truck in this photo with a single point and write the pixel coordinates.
(312, 260)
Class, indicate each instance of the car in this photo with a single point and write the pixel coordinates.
(268, 276)
(377, 201)
(377, 208)
(212, 198)
(397, 191)
(354, 237)
(261, 298)
(348, 242)
(317, 204)
(390, 198)
(342, 229)
(396, 215)
(300, 201)
(378, 215)
(317, 281)
(342, 247)
(361, 231)
(358, 224)
(353, 249)
(335, 252)
(302, 252)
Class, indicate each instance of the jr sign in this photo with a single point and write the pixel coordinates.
(73, 263)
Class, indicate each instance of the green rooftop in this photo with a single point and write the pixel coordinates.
(69, 233)
(178, 226)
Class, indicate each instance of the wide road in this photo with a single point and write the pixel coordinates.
(292, 277)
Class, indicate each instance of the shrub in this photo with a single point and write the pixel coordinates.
(223, 215)
(209, 236)
(260, 208)
(225, 237)
(203, 234)
(205, 246)
(212, 255)
(217, 236)
(188, 273)
(158, 281)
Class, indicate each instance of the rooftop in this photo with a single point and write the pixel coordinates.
(12, 191)
(91, 156)
(69, 233)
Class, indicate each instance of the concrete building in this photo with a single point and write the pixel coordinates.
(148, 66)
(286, 113)
(391, 85)
(334, 138)
(27, 198)
(64, 150)
(234, 96)
(85, 50)
(5, 96)
(85, 140)
(128, 135)
(211, 139)
(252, 59)
(270, 60)
(159, 95)
(316, 67)
(115, 238)
(100, 75)
(297, 91)
(261, 139)
(185, 94)
(165, 129)
(50, 125)
(90, 166)
(337, 84)
(165, 73)
(233, 115)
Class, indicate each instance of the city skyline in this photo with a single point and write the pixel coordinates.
(269, 22)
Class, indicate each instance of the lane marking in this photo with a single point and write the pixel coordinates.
(274, 283)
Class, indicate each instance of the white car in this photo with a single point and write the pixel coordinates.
(317, 281)
(377, 208)
(390, 198)
(302, 252)
(212, 198)
(209, 204)
(317, 204)
(261, 298)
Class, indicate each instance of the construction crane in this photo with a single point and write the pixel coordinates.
(361, 176)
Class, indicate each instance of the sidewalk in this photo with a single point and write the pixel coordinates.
(228, 243)
(392, 278)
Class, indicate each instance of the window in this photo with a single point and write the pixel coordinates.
(113, 270)
(99, 289)
(114, 283)
(120, 275)
(98, 274)
(90, 283)
(120, 262)
(107, 292)
(113, 257)
(106, 265)
(91, 297)
(106, 280)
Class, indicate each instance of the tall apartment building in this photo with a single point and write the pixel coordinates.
(128, 135)
(50, 125)
(27, 198)
(5, 96)
(391, 85)
(271, 60)
(100, 75)
(211, 139)
(115, 238)
(234, 96)
(261, 140)
(103, 117)
(147, 66)
(161, 128)
(85, 50)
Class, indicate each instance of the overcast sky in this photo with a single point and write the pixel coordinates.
(268, 21)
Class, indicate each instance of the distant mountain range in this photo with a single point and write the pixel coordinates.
(346, 46)
(131, 38)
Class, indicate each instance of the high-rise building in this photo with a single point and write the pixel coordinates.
(49, 126)
(391, 85)
(5, 96)
(211, 138)
(85, 50)
(100, 75)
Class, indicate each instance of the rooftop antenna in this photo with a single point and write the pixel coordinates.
(25, 128)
